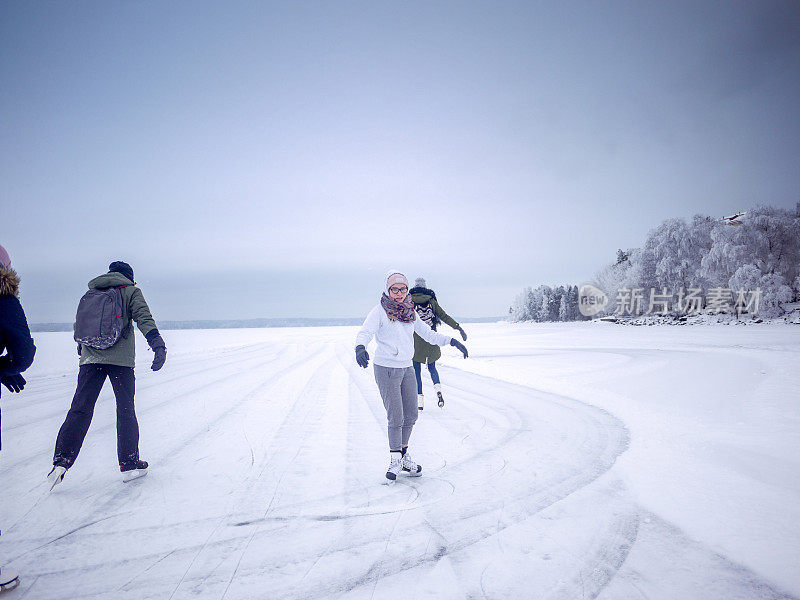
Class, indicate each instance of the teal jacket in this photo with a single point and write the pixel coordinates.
(135, 310)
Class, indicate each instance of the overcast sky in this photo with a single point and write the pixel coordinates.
(267, 159)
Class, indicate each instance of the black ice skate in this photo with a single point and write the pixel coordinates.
(438, 388)
(133, 470)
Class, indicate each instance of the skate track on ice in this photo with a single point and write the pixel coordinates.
(266, 481)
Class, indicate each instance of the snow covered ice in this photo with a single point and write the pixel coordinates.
(581, 460)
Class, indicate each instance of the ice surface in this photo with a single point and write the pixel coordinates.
(582, 460)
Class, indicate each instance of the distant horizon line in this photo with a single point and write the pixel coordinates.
(258, 323)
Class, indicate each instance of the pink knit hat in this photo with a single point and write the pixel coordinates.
(5, 259)
(395, 277)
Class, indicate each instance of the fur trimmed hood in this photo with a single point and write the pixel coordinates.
(9, 282)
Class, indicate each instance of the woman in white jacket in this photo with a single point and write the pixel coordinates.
(393, 323)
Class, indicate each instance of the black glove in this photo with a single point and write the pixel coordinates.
(454, 342)
(79, 349)
(160, 357)
(14, 383)
(463, 334)
(362, 356)
(159, 349)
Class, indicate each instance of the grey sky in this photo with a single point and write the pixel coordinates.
(264, 159)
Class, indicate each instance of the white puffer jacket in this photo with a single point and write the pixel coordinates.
(395, 339)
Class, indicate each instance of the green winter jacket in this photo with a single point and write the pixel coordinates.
(423, 351)
(123, 353)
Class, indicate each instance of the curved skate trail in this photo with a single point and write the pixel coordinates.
(443, 518)
(180, 380)
(267, 481)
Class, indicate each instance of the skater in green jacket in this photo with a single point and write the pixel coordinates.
(428, 309)
(100, 361)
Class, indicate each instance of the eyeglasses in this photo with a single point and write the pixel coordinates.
(398, 290)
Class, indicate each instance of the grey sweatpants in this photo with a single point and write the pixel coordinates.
(398, 388)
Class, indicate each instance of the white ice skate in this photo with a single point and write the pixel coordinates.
(133, 470)
(420, 401)
(411, 468)
(395, 466)
(9, 579)
(56, 475)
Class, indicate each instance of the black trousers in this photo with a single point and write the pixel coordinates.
(90, 381)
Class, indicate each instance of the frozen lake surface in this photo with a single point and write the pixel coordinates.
(570, 461)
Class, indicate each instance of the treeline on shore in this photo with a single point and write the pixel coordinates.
(748, 264)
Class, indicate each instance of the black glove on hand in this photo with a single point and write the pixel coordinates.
(463, 334)
(362, 357)
(159, 349)
(14, 383)
(160, 357)
(454, 342)
(79, 349)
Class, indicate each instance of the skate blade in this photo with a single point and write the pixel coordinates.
(56, 477)
(134, 474)
(7, 587)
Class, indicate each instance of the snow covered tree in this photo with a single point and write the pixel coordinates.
(572, 303)
(673, 253)
(544, 310)
(536, 303)
(774, 292)
(554, 303)
(747, 277)
(729, 251)
(775, 237)
(614, 277)
(701, 242)
(529, 305)
(760, 250)
(769, 239)
(519, 309)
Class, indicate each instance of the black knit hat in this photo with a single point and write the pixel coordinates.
(121, 267)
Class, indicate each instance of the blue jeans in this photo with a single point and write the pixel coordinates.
(418, 373)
